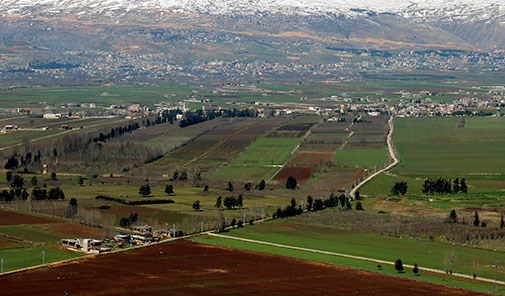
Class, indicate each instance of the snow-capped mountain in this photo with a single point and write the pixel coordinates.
(445, 9)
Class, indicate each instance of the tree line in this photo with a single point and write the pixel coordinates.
(314, 205)
(230, 202)
(444, 186)
(17, 190)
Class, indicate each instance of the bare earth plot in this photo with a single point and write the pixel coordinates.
(185, 268)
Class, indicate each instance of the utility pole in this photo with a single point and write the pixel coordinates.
(495, 276)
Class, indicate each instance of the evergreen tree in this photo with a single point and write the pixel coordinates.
(56, 194)
(17, 182)
(145, 190)
(229, 188)
(169, 189)
(415, 270)
(240, 201)
(476, 220)
(310, 201)
(453, 217)
(196, 205)
(455, 186)
(219, 202)
(399, 265)
(72, 208)
(8, 176)
(291, 183)
(463, 188)
(261, 185)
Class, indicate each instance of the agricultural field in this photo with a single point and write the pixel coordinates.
(256, 204)
(448, 147)
(200, 269)
(258, 161)
(305, 233)
(28, 240)
(362, 158)
(336, 178)
(217, 146)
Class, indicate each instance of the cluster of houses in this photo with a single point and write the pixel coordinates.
(140, 235)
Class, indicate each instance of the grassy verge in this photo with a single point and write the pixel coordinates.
(353, 263)
(18, 258)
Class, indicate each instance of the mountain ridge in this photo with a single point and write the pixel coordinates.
(438, 9)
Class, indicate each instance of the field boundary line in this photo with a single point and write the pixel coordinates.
(293, 152)
(433, 270)
(392, 155)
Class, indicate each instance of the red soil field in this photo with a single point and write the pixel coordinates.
(185, 268)
(11, 218)
(312, 158)
(73, 230)
(5, 243)
(56, 226)
(339, 178)
(300, 173)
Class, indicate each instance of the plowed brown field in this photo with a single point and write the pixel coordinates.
(11, 218)
(185, 268)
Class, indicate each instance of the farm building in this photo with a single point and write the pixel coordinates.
(52, 116)
(87, 245)
(9, 127)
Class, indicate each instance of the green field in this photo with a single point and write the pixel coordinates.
(437, 146)
(449, 147)
(17, 258)
(362, 158)
(267, 151)
(258, 161)
(424, 253)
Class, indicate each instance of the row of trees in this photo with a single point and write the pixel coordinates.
(195, 117)
(292, 210)
(330, 202)
(319, 204)
(247, 186)
(145, 190)
(399, 267)
(38, 193)
(116, 132)
(16, 161)
(230, 202)
(453, 218)
(444, 186)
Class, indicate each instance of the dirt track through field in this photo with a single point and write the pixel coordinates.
(392, 154)
(438, 271)
(186, 268)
